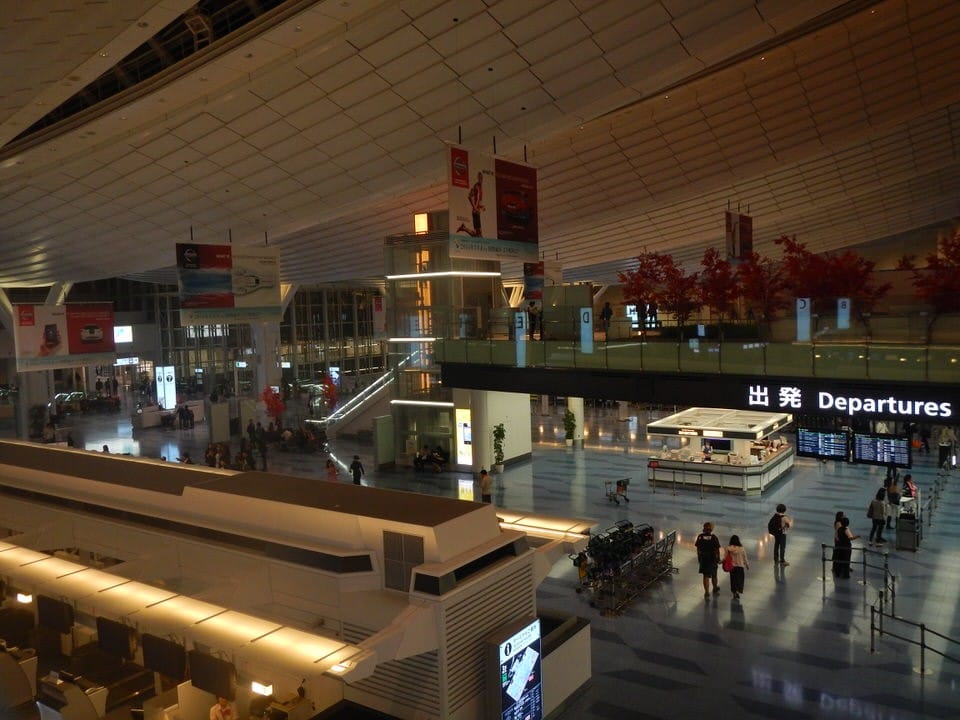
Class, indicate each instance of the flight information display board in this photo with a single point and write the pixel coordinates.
(824, 444)
(515, 657)
(882, 450)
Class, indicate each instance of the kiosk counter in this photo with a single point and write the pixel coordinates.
(728, 450)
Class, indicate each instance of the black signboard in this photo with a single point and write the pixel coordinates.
(882, 450)
(823, 444)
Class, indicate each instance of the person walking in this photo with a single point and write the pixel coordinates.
(837, 524)
(708, 558)
(333, 474)
(876, 511)
(356, 467)
(843, 541)
(738, 559)
(485, 484)
(893, 504)
(778, 526)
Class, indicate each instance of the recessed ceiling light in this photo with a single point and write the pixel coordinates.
(298, 28)
(666, 97)
(143, 24)
(104, 54)
(763, 57)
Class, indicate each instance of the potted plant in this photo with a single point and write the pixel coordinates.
(499, 434)
(569, 425)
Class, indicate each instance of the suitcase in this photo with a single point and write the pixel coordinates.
(907, 535)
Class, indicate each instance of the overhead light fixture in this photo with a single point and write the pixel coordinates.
(261, 689)
(341, 667)
(24, 598)
(411, 339)
(446, 273)
(422, 403)
(421, 223)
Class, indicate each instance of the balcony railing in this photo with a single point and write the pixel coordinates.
(858, 361)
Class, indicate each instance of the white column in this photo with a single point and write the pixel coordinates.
(266, 341)
(482, 440)
(575, 405)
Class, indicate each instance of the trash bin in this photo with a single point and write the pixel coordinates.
(908, 537)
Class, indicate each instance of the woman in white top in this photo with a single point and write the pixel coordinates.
(738, 558)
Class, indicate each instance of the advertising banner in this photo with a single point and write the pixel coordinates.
(63, 336)
(493, 207)
(228, 284)
(739, 235)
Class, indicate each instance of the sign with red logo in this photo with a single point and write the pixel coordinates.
(492, 207)
(459, 168)
(63, 336)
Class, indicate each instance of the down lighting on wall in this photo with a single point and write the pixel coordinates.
(261, 689)
(422, 403)
(445, 273)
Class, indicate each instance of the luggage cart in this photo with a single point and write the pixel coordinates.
(616, 490)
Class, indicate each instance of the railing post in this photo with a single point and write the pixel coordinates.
(873, 627)
(923, 649)
(882, 597)
(893, 595)
(823, 567)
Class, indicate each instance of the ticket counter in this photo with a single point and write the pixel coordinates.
(735, 451)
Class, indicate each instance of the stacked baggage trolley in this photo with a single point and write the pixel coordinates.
(621, 562)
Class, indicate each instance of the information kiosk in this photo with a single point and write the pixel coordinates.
(736, 451)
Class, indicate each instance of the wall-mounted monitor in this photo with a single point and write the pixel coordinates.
(164, 656)
(122, 334)
(823, 444)
(213, 675)
(116, 639)
(873, 449)
(54, 614)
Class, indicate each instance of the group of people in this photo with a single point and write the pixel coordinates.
(436, 459)
(883, 512)
(355, 468)
(711, 556)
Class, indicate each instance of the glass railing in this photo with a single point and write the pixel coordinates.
(867, 361)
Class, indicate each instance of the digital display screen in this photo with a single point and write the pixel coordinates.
(164, 656)
(54, 614)
(521, 695)
(882, 450)
(122, 333)
(116, 639)
(213, 675)
(825, 444)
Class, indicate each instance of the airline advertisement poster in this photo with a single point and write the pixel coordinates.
(63, 336)
(493, 207)
(228, 284)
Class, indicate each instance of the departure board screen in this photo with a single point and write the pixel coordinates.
(824, 444)
(882, 450)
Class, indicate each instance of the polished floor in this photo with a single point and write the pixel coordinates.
(796, 645)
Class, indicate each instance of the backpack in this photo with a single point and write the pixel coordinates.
(775, 526)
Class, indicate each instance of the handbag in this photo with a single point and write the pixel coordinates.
(727, 562)
(870, 511)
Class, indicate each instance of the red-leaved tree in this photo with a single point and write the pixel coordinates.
(937, 284)
(762, 288)
(828, 276)
(330, 394)
(678, 291)
(718, 285)
(642, 284)
(274, 404)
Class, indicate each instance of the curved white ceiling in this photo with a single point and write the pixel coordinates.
(324, 132)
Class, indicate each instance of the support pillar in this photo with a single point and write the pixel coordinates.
(482, 436)
(266, 343)
(575, 405)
